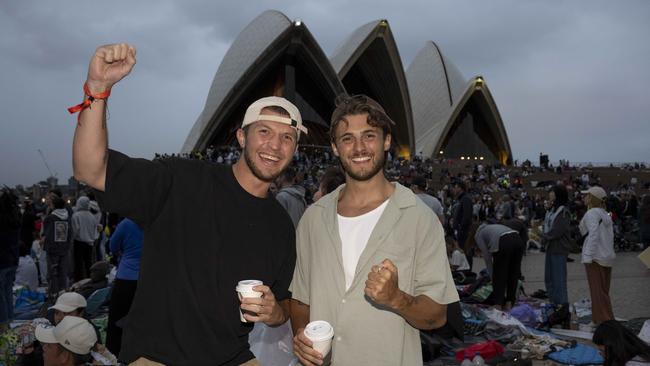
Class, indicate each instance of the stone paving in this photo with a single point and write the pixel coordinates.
(630, 288)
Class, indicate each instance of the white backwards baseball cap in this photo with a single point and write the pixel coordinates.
(254, 113)
(73, 333)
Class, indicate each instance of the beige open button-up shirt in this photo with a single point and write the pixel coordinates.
(411, 236)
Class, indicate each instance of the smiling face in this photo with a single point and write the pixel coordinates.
(360, 147)
(268, 147)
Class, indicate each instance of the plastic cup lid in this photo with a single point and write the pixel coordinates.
(319, 330)
(247, 285)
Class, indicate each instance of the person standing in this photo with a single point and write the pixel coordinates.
(126, 245)
(84, 233)
(462, 218)
(291, 195)
(206, 227)
(502, 249)
(9, 244)
(556, 238)
(371, 257)
(57, 241)
(598, 253)
(419, 187)
(644, 221)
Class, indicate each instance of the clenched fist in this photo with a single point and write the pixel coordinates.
(109, 64)
(382, 286)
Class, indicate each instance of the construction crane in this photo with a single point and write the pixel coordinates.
(46, 164)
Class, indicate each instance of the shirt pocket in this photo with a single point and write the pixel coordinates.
(403, 257)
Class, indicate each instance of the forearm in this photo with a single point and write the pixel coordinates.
(420, 311)
(90, 146)
(299, 315)
(109, 64)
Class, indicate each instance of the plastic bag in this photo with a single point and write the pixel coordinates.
(26, 298)
(273, 345)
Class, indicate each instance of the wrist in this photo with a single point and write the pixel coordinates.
(401, 301)
(97, 87)
(279, 319)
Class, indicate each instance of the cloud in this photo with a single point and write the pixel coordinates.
(568, 77)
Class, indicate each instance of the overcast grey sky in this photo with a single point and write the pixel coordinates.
(570, 78)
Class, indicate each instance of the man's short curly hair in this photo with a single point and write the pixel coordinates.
(350, 105)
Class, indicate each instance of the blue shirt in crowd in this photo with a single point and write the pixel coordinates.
(126, 242)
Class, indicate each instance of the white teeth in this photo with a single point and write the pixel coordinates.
(360, 160)
(269, 157)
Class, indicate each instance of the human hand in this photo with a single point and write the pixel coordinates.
(266, 307)
(109, 64)
(382, 284)
(303, 349)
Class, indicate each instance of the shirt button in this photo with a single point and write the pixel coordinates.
(338, 338)
(343, 301)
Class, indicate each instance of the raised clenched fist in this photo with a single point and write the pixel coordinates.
(109, 64)
(382, 284)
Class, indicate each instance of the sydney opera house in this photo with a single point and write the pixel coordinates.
(438, 113)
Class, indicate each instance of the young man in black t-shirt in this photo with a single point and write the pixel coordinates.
(206, 227)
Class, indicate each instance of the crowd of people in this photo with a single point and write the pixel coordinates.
(371, 245)
(484, 210)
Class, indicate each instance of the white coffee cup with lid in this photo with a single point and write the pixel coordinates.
(245, 289)
(320, 333)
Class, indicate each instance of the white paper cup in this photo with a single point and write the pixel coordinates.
(320, 333)
(245, 289)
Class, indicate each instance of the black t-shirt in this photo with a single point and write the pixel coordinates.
(203, 233)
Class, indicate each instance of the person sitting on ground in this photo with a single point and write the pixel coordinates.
(69, 343)
(620, 346)
(69, 303)
(98, 279)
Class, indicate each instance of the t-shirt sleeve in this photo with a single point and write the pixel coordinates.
(135, 188)
(433, 274)
(280, 288)
(300, 284)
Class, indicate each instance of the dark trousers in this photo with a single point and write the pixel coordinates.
(462, 237)
(82, 260)
(57, 273)
(7, 278)
(120, 304)
(507, 269)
